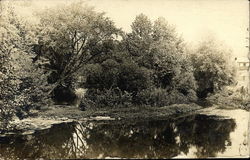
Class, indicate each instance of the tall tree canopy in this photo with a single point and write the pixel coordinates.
(69, 37)
(148, 63)
(20, 79)
(157, 47)
(213, 68)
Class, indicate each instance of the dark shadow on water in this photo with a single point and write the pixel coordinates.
(142, 139)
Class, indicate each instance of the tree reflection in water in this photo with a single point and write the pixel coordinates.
(142, 139)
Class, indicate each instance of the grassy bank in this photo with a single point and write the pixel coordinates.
(59, 114)
(133, 112)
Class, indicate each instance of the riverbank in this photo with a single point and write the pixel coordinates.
(228, 129)
(133, 112)
(44, 119)
(229, 107)
(64, 114)
(221, 133)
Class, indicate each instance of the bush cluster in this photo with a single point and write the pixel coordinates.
(231, 98)
(152, 66)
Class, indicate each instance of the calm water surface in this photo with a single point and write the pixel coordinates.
(200, 135)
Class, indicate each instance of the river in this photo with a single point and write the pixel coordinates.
(210, 133)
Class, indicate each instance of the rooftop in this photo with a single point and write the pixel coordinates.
(241, 59)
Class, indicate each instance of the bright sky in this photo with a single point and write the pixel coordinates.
(227, 20)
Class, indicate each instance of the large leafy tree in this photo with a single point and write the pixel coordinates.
(70, 37)
(8, 85)
(22, 83)
(213, 67)
(158, 48)
(139, 40)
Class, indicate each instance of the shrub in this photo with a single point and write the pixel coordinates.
(176, 97)
(133, 78)
(113, 97)
(153, 97)
(230, 97)
(159, 97)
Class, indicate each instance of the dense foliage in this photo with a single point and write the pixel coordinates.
(213, 68)
(69, 37)
(149, 63)
(148, 66)
(22, 82)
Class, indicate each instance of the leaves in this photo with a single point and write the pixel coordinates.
(153, 61)
(213, 69)
(20, 79)
(70, 37)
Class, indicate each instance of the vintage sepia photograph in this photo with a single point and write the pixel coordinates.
(124, 79)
